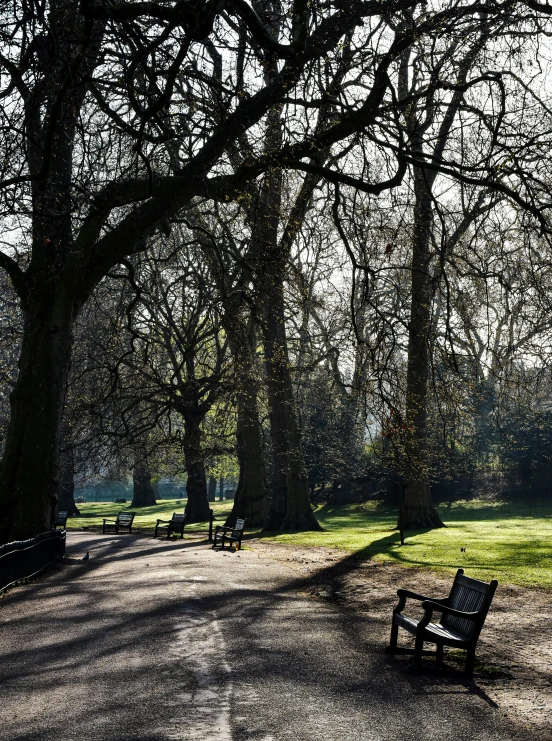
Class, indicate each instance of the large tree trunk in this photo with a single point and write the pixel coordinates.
(143, 494)
(29, 468)
(417, 511)
(197, 507)
(250, 497)
(250, 500)
(290, 507)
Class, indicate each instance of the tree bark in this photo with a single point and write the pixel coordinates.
(250, 500)
(143, 494)
(485, 397)
(221, 489)
(417, 511)
(197, 507)
(29, 467)
(290, 507)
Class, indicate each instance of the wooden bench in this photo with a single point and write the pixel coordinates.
(463, 613)
(174, 525)
(123, 522)
(61, 520)
(231, 534)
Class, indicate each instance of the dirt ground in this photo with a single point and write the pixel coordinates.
(515, 647)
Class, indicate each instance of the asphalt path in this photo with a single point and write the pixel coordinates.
(155, 640)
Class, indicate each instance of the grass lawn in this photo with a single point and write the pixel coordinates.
(92, 514)
(509, 542)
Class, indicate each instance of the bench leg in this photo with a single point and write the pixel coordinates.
(394, 637)
(440, 653)
(418, 650)
(470, 661)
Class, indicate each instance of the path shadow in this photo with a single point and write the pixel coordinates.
(328, 655)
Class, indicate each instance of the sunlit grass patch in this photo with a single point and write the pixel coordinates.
(93, 513)
(509, 542)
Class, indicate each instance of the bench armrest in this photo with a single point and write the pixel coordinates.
(111, 521)
(219, 528)
(160, 521)
(405, 594)
(433, 606)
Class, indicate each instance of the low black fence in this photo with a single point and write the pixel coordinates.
(26, 558)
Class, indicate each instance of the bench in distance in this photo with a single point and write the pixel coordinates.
(123, 522)
(174, 525)
(231, 534)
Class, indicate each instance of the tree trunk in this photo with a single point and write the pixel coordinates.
(485, 397)
(417, 511)
(143, 494)
(66, 492)
(221, 489)
(212, 492)
(197, 507)
(250, 497)
(29, 468)
(290, 507)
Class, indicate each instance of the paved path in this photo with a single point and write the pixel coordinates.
(153, 640)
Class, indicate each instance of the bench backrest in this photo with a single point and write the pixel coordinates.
(125, 518)
(178, 519)
(61, 518)
(239, 525)
(469, 595)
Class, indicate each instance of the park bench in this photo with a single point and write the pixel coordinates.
(463, 613)
(230, 534)
(174, 525)
(61, 520)
(123, 522)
